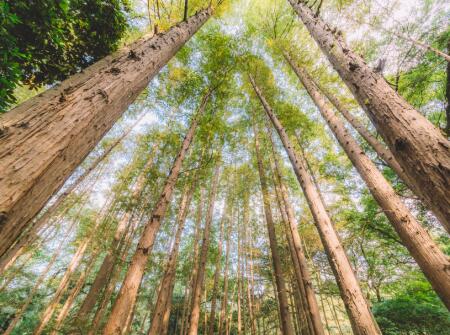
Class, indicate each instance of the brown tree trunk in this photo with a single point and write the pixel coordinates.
(358, 310)
(126, 299)
(249, 268)
(164, 295)
(103, 274)
(418, 146)
(197, 291)
(212, 318)
(432, 261)
(447, 95)
(44, 139)
(286, 319)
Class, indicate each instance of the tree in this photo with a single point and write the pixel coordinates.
(81, 103)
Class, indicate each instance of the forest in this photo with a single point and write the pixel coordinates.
(225, 167)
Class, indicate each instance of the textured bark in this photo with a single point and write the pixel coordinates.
(126, 299)
(103, 274)
(212, 318)
(167, 281)
(286, 318)
(419, 147)
(197, 291)
(384, 153)
(302, 273)
(248, 266)
(360, 315)
(432, 261)
(43, 140)
(447, 96)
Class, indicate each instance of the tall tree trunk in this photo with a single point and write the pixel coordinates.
(249, 268)
(303, 276)
(165, 296)
(358, 310)
(432, 261)
(418, 146)
(126, 299)
(224, 302)
(382, 151)
(286, 319)
(447, 95)
(212, 318)
(44, 139)
(103, 274)
(197, 291)
(239, 281)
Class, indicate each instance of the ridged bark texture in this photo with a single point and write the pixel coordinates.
(43, 140)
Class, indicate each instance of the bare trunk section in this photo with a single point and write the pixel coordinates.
(167, 281)
(286, 319)
(420, 148)
(197, 291)
(384, 153)
(212, 318)
(432, 261)
(126, 299)
(101, 279)
(43, 140)
(358, 310)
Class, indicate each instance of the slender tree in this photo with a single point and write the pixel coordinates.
(419, 147)
(46, 138)
(357, 307)
(167, 281)
(286, 318)
(197, 290)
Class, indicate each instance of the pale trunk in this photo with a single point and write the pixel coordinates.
(286, 319)
(212, 318)
(419, 147)
(44, 139)
(358, 310)
(432, 261)
(197, 291)
(224, 303)
(126, 299)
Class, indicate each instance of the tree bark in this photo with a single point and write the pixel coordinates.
(358, 310)
(418, 146)
(212, 318)
(432, 261)
(164, 295)
(286, 318)
(197, 291)
(44, 139)
(126, 299)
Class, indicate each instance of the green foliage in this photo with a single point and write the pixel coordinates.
(44, 42)
(414, 310)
